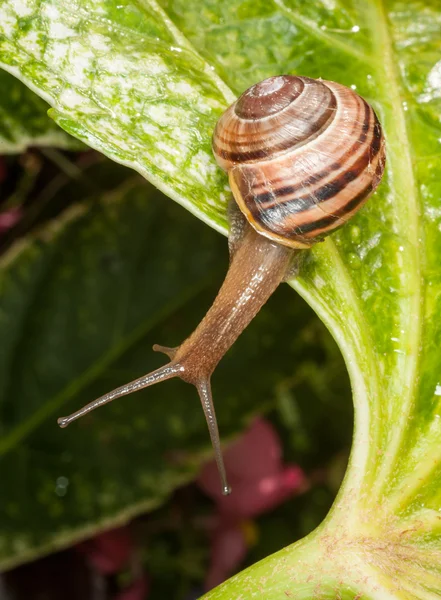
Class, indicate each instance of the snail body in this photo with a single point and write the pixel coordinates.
(302, 156)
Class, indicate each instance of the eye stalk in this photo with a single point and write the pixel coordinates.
(302, 157)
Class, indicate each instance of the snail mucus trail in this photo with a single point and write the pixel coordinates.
(302, 156)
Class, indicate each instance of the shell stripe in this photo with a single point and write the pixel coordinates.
(319, 177)
(315, 227)
(288, 144)
(328, 189)
(297, 242)
(239, 140)
(270, 170)
(312, 225)
(317, 124)
(329, 222)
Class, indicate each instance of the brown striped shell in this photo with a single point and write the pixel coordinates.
(303, 155)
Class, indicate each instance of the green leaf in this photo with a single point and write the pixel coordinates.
(60, 349)
(376, 285)
(123, 79)
(127, 80)
(24, 121)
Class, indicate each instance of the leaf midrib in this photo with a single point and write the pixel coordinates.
(362, 385)
(406, 201)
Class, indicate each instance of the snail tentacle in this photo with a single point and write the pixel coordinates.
(166, 372)
(204, 390)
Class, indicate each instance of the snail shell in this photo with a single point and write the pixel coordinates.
(303, 155)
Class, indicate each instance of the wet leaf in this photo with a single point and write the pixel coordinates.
(124, 79)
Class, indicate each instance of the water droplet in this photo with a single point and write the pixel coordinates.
(354, 261)
(319, 282)
(353, 87)
(61, 486)
(438, 390)
(355, 29)
(355, 234)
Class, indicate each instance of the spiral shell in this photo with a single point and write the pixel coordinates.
(303, 155)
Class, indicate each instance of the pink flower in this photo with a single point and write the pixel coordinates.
(108, 552)
(260, 482)
(9, 218)
(113, 551)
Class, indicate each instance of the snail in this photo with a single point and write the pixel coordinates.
(302, 156)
